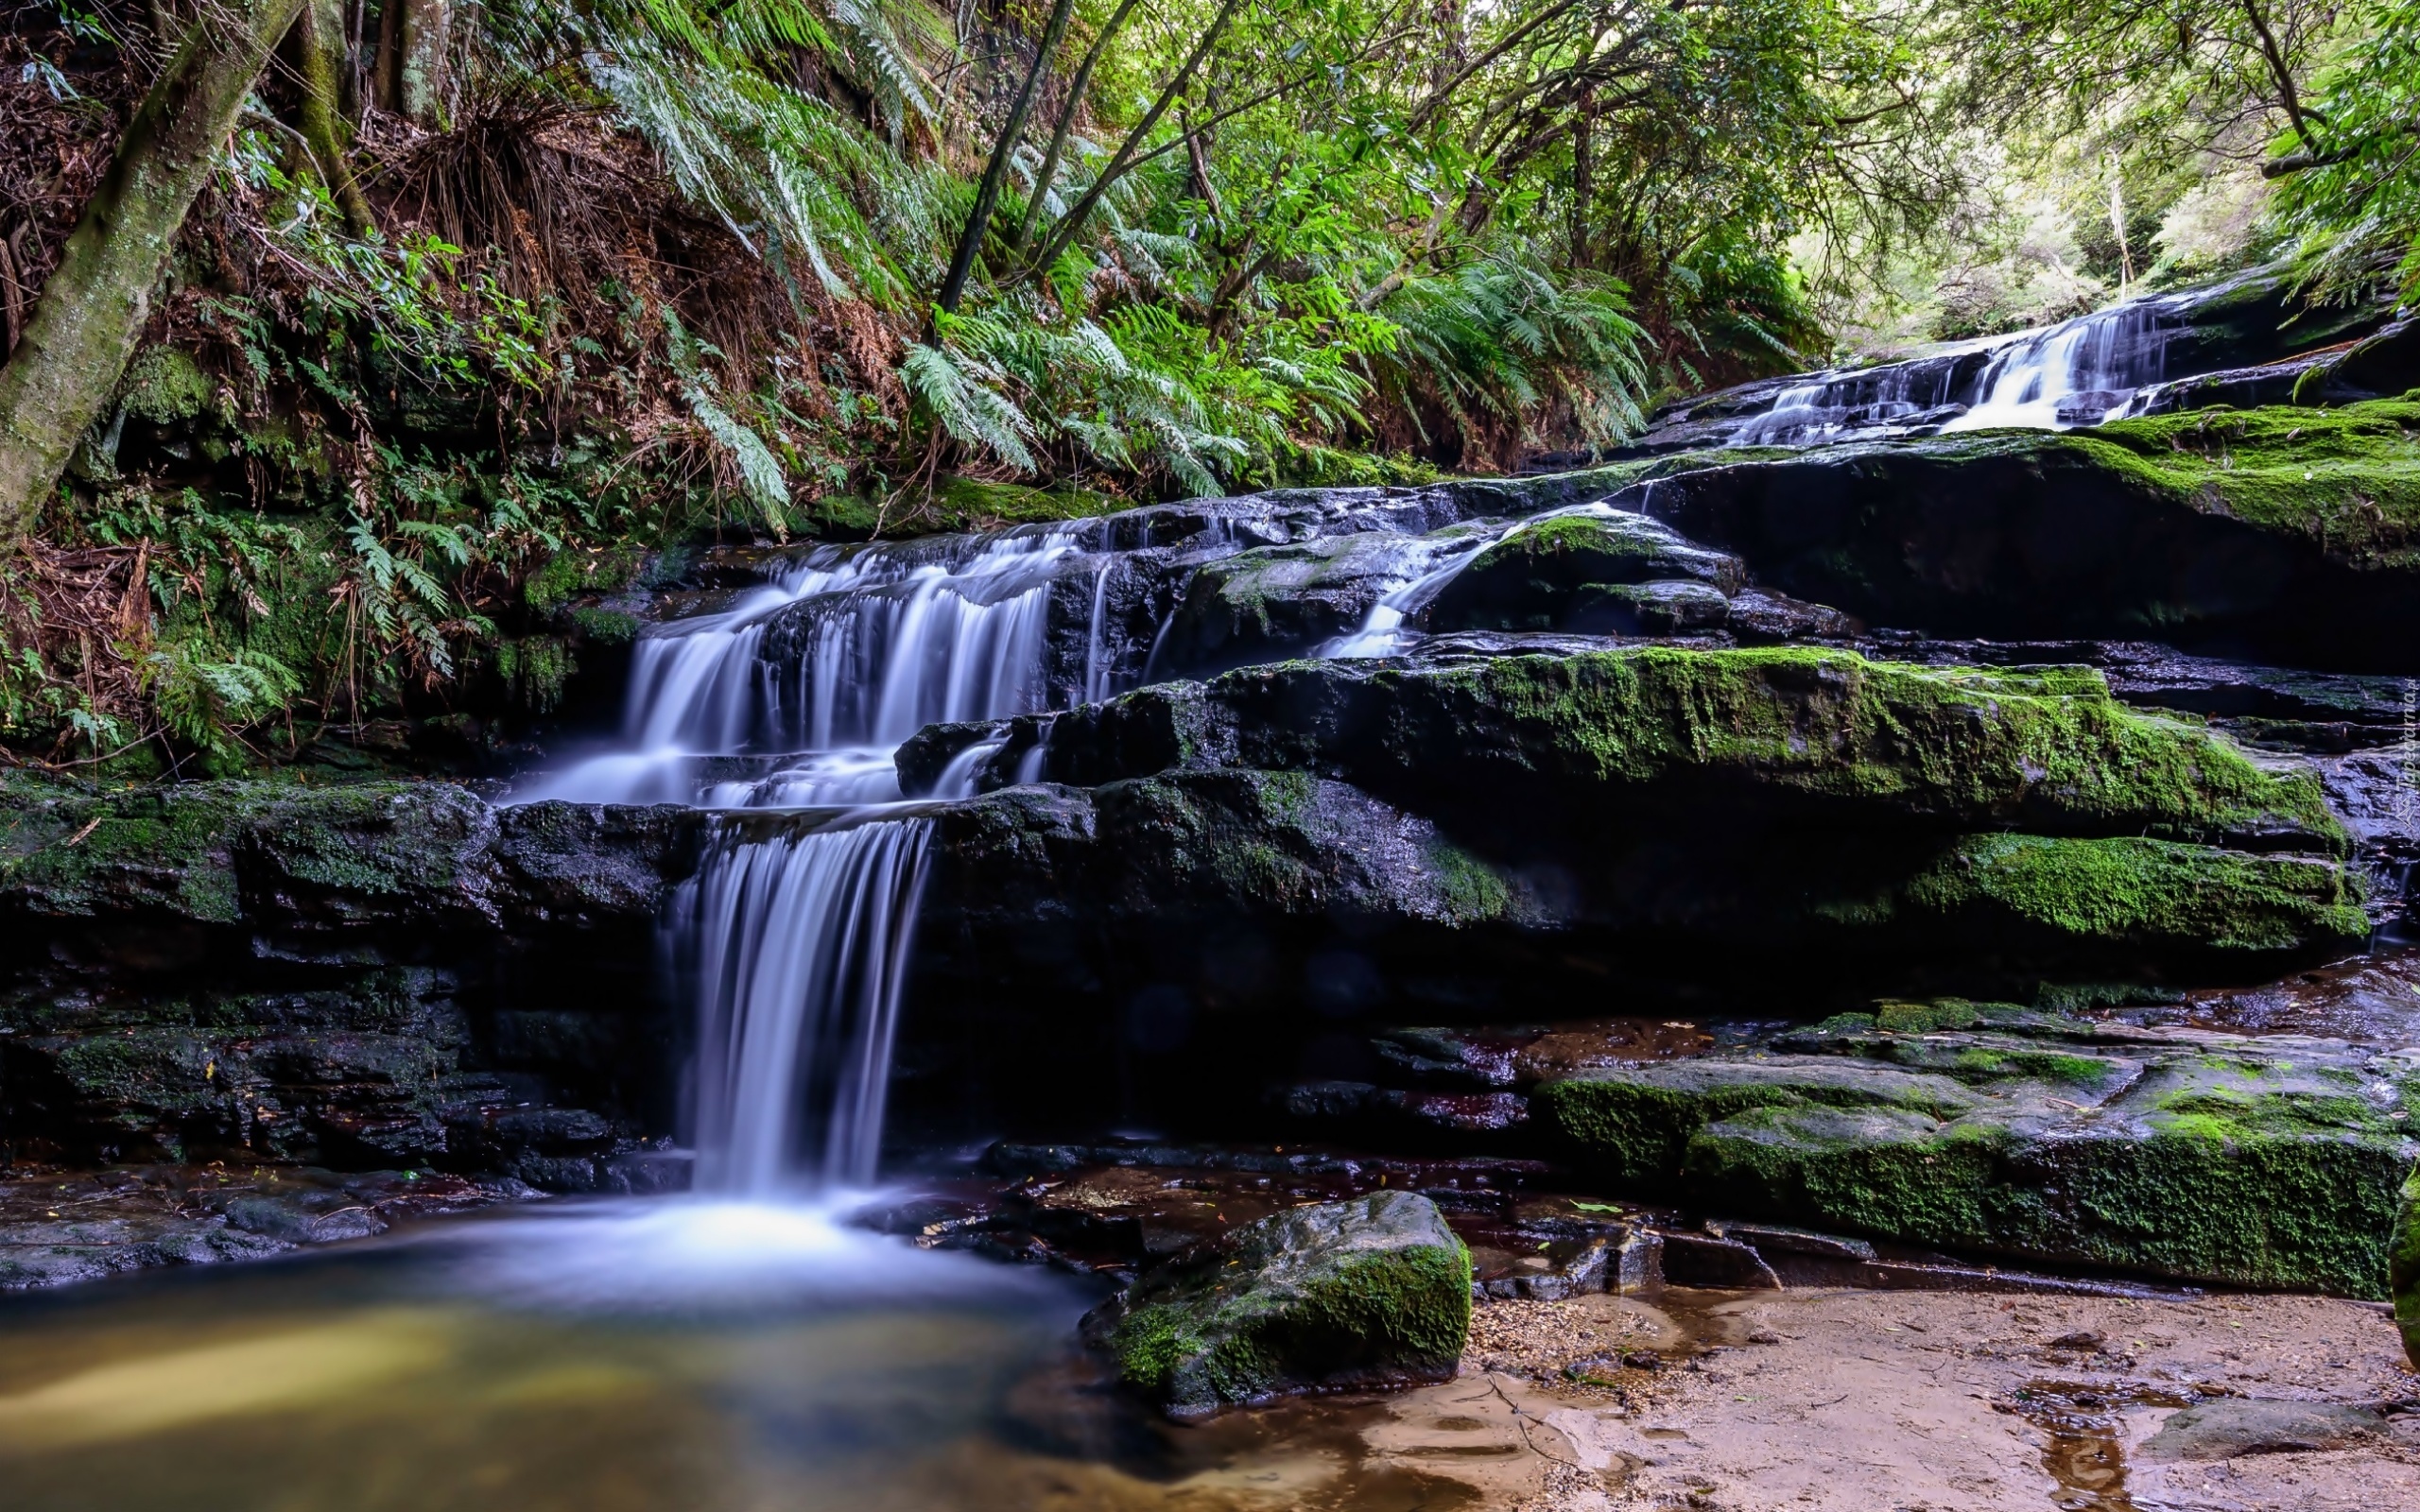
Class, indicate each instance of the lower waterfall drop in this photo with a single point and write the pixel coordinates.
(796, 946)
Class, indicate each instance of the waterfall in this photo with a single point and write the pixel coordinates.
(2078, 373)
(793, 936)
(815, 679)
(799, 949)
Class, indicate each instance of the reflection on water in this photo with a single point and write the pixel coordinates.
(655, 1357)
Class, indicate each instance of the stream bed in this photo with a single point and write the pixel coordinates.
(641, 1356)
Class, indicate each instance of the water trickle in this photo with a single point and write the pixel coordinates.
(1385, 629)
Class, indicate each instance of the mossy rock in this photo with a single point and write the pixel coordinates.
(2403, 1267)
(2258, 1163)
(1205, 844)
(2157, 894)
(1370, 1292)
(2047, 750)
(250, 853)
(1567, 572)
(163, 386)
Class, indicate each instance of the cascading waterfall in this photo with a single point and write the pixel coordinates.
(800, 947)
(813, 681)
(794, 934)
(2078, 373)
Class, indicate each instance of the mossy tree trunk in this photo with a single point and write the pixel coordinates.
(319, 50)
(92, 309)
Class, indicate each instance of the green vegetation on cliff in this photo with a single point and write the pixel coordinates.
(2347, 479)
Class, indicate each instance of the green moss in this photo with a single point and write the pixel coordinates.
(606, 626)
(164, 386)
(188, 851)
(2240, 1167)
(567, 573)
(2152, 891)
(2403, 1266)
(1407, 1308)
(534, 668)
(972, 503)
(2053, 749)
(2346, 478)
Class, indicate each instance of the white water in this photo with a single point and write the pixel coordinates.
(2078, 373)
(801, 949)
(794, 939)
(831, 667)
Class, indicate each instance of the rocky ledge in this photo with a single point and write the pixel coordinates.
(2272, 1161)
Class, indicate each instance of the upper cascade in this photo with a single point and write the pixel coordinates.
(803, 687)
(2136, 357)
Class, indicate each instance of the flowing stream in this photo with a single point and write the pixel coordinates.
(745, 1347)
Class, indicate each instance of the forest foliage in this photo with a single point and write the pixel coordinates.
(491, 309)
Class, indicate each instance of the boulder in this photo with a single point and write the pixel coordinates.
(382, 973)
(2269, 1161)
(1584, 570)
(1274, 601)
(258, 854)
(1565, 737)
(2234, 1426)
(1370, 1292)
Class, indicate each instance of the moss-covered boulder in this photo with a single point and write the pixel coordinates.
(2251, 1162)
(1370, 1292)
(1593, 572)
(2289, 532)
(2403, 1268)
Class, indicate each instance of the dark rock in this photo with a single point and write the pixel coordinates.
(2284, 531)
(1273, 601)
(1708, 1260)
(1355, 1295)
(2047, 747)
(1567, 572)
(1769, 1239)
(278, 972)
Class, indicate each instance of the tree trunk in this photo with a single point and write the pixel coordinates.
(319, 41)
(996, 173)
(428, 36)
(91, 311)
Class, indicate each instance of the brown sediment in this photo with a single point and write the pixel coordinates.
(1847, 1400)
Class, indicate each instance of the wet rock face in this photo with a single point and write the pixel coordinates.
(1369, 1292)
(2270, 1161)
(370, 975)
(2284, 531)
(1592, 574)
(1218, 884)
